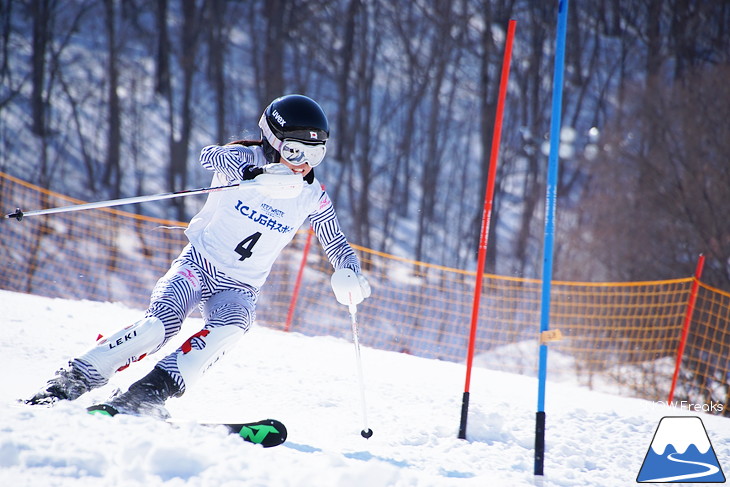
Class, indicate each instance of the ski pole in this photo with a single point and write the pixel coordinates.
(19, 214)
(366, 432)
(346, 286)
(275, 183)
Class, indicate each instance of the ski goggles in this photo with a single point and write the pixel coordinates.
(295, 152)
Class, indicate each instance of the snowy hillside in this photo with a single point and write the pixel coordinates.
(310, 384)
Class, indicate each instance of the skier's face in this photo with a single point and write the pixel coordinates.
(302, 169)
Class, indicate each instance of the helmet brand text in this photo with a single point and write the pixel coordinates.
(280, 120)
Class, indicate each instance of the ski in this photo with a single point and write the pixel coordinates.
(267, 432)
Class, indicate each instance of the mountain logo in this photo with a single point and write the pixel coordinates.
(681, 452)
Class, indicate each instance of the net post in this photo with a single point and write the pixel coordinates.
(686, 325)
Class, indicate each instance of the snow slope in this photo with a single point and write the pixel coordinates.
(310, 384)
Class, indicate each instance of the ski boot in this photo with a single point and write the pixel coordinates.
(68, 384)
(146, 397)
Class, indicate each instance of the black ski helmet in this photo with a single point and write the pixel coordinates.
(296, 117)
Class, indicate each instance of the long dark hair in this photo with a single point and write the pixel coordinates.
(270, 154)
(246, 142)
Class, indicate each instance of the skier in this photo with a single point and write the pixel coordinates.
(233, 243)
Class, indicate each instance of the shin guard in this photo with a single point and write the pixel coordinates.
(200, 352)
(129, 345)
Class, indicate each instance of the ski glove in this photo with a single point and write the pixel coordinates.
(250, 172)
(350, 287)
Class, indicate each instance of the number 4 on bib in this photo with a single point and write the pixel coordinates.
(245, 247)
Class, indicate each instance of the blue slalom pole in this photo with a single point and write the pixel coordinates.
(550, 198)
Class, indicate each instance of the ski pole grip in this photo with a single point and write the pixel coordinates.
(346, 287)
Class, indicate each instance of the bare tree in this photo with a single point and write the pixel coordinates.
(42, 12)
(445, 44)
(162, 54)
(344, 58)
(112, 174)
(181, 113)
(659, 191)
(216, 37)
(6, 12)
(361, 128)
(277, 17)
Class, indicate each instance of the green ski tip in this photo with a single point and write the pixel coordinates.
(102, 410)
(99, 412)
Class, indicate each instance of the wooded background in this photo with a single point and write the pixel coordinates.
(106, 99)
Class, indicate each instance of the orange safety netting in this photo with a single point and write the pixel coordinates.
(616, 337)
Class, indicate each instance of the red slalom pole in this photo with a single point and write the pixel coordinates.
(687, 321)
(298, 282)
(486, 217)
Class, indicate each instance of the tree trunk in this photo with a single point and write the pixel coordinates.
(112, 174)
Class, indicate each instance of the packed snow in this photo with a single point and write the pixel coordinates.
(309, 383)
